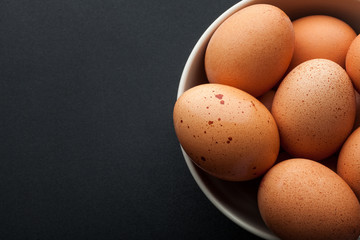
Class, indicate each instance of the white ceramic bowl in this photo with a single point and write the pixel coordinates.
(238, 200)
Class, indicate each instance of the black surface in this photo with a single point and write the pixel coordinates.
(88, 149)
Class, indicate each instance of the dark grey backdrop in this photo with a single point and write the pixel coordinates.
(87, 145)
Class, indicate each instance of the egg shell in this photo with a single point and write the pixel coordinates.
(251, 49)
(226, 132)
(348, 166)
(353, 62)
(314, 108)
(302, 199)
(321, 36)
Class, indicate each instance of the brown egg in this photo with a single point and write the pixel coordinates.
(314, 108)
(226, 132)
(251, 50)
(302, 199)
(348, 166)
(353, 62)
(321, 36)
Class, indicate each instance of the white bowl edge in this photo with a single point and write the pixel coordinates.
(183, 86)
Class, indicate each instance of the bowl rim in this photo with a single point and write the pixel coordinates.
(215, 201)
(181, 88)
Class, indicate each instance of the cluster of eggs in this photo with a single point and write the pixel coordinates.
(281, 86)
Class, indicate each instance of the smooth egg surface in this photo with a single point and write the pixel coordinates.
(321, 36)
(251, 50)
(348, 166)
(353, 62)
(314, 108)
(226, 132)
(302, 199)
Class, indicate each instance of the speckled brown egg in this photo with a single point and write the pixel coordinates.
(314, 108)
(302, 199)
(353, 62)
(348, 166)
(321, 36)
(226, 132)
(251, 49)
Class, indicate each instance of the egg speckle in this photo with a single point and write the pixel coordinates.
(251, 49)
(314, 108)
(348, 166)
(353, 62)
(276, 83)
(302, 199)
(226, 132)
(321, 36)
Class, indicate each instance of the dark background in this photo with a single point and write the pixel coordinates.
(88, 149)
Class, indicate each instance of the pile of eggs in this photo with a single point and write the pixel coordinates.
(277, 86)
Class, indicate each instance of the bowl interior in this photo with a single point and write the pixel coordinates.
(238, 200)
